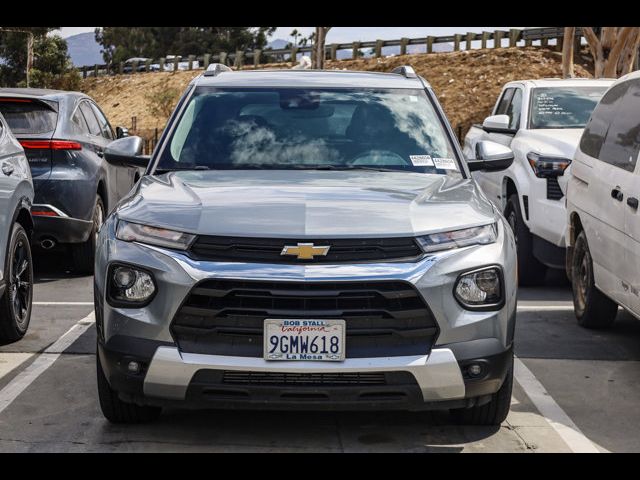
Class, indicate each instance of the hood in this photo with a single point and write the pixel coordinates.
(557, 141)
(308, 204)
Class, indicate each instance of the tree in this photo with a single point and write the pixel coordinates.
(121, 43)
(15, 54)
(613, 49)
(318, 52)
(567, 52)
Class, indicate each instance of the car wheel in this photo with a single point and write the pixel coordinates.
(531, 271)
(593, 308)
(493, 412)
(16, 303)
(84, 253)
(117, 411)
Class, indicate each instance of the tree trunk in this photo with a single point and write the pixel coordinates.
(567, 52)
(629, 54)
(318, 53)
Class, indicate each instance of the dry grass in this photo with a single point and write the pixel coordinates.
(466, 83)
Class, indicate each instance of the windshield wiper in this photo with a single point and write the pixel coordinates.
(353, 167)
(181, 169)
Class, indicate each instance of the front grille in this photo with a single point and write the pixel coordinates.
(304, 379)
(268, 250)
(553, 189)
(226, 317)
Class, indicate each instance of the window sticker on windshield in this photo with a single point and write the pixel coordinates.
(445, 163)
(421, 160)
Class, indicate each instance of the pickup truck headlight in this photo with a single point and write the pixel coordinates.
(481, 289)
(161, 237)
(465, 237)
(545, 166)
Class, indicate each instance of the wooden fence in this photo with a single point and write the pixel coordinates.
(496, 39)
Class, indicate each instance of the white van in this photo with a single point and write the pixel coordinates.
(603, 254)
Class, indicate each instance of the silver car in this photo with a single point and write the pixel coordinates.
(16, 227)
(306, 240)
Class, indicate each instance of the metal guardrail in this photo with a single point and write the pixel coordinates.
(258, 57)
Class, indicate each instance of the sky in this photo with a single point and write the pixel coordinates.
(347, 34)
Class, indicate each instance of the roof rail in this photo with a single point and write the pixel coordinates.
(216, 68)
(406, 71)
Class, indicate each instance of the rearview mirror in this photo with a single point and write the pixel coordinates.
(497, 124)
(491, 156)
(126, 152)
(122, 132)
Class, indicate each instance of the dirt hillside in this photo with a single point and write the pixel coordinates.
(467, 82)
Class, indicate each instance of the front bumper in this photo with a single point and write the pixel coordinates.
(437, 378)
(172, 378)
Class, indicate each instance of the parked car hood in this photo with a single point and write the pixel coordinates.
(307, 204)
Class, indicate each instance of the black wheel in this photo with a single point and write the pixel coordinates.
(84, 253)
(117, 411)
(492, 413)
(593, 308)
(531, 271)
(15, 305)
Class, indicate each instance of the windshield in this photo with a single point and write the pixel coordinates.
(291, 128)
(567, 107)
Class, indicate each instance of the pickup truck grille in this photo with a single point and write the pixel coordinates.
(553, 189)
(268, 250)
(225, 317)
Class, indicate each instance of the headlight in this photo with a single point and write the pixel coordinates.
(162, 237)
(459, 238)
(129, 286)
(545, 166)
(481, 289)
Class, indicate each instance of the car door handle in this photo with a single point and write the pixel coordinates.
(617, 194)
(633, 202)
(7, 169)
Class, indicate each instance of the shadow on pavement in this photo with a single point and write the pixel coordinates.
(52, 265)
(384, 430)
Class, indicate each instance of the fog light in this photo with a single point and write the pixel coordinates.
(482, 288)
(130, 286)
(133, 367)
(474, 370)
(124, 277)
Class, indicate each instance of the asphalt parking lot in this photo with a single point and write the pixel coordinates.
(576, 390)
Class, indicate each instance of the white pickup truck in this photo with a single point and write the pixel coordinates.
(542, 121)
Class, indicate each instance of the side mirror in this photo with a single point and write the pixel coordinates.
(122, 132)
(497, 124)
(126, 152)
(491, 157)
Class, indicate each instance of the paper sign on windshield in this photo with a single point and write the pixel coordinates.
(445, 163)
(421, 160)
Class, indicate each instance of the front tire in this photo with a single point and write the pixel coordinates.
(531, 271)
(16, 303)
(116, 410)
(492, 413)
(84, 253)
(593, 309)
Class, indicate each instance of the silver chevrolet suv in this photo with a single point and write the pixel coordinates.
(306, 240)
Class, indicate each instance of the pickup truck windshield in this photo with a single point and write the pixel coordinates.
(292, 128)
(566, 107)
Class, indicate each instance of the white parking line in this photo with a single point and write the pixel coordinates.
(551, 411)
(546, 308)
(63, 303)
(25, 378)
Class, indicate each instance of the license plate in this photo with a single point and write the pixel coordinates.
(297, 339)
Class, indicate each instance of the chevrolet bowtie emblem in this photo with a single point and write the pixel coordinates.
(305, 251)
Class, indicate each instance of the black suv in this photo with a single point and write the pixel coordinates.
(64, 135)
